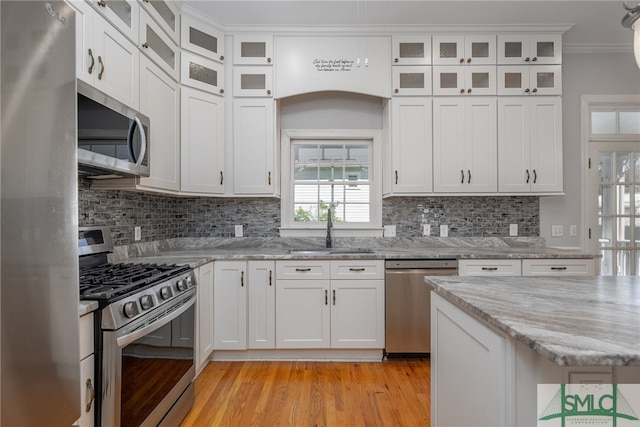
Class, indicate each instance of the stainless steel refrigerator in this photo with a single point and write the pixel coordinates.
(39, 346)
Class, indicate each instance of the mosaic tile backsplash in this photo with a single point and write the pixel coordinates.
(165, 217)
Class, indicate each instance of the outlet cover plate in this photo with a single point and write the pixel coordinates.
(444, 230)
(426, 230)
(389, 231)
(513, 230)
(239, 230)
(557, 231)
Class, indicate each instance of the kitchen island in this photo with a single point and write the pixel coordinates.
(494, 339)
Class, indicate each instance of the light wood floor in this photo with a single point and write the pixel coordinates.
(334, 394)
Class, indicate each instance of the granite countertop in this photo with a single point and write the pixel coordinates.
(87, 307)
(198, 251)
(574, 321)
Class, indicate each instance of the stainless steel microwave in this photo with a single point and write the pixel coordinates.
(113, 139)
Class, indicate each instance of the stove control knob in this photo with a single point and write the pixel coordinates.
(130, 309)
(182, 285)
(165, 292)
(146, 302)
(189, 281)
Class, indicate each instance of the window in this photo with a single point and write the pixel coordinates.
(330, 170)
(613, 190)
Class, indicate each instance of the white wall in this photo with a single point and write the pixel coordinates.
(583, 74)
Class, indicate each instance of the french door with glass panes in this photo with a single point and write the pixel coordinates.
(613, 185)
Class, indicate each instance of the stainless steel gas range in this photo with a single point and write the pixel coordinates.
(144, 335)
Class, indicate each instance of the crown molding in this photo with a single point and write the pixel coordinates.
(597, 48)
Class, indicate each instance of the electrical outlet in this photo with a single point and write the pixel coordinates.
(444, 230)
(573, 230)
(426, 230)
(557, 231)
(513, 230)
(239, 230)
(389, 231)
(137, 233)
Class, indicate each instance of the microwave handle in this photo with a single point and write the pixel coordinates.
(136, 123)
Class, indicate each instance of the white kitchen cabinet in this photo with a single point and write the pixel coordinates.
(230, 305)
(411, 146)
(253, 49)
(468, 359)
(530, 144)
(87, 380)
(457, 80)
(160, 101)
(411, 49)
(201, 37)
(330, 304)
(254, 171)
(464, 49)
(256, 82)
(464, 145)
(155, 43)
(529, 80)
(262, 304)
(105, 58)
(122, 14)
(489, 267)
(167, 14)
(202, 143)
(411, 81)
(202, 73)
(204, 316)
(558, 267)
(530, 49)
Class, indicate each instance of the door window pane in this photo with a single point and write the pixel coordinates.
(603, 122)
(630, 122)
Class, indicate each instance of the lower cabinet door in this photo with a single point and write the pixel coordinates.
(262, 304)
(303, 314)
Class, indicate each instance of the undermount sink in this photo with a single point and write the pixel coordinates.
(330, 251)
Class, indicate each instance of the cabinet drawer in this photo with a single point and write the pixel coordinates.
(494, 267)
(86, 335)
(360, 269)
(303, 270)
(558, 267)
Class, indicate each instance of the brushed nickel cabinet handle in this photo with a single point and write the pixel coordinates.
(92, 397)
(396, 177)
(356, 269)
(462, 174)
(93, 61)
(269, 177)
(535, 176)
(489, 268)
(221, 177)
(270, 278)
(326, 297)
(334, 297)
(242, 278)
(528, 176)
(101, 68)
(469, 180)
(303, 270)
(559, 268)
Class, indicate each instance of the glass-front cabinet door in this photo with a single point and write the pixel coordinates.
(464, 50)
(411, 81)
(253, 50)
(158, 46)
(166, 14)
(123, 14)
(455, 80)
(534, 80)
(202, 73)
(202, 38)
(411, 50)
(253, 81)
(530, 49)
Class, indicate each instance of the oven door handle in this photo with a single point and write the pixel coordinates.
(127, 339)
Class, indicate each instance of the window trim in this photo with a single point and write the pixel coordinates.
(289, 228)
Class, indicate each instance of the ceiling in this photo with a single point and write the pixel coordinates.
(592, 22)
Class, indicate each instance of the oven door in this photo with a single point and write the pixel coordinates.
(148, 365)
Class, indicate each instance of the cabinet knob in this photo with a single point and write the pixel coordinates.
(396, 60)
(396, 90)
(534, 90)
(461, 60)
(468, 60)
(269, 60)
(268, 91)
(145, 45)
(535, 58)
(527, 59)
(221, 57)
(102, 3)
(462, 90)
(526, 90)
(221, 91)
(469, 90)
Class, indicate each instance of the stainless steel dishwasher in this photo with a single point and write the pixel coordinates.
(408, 304)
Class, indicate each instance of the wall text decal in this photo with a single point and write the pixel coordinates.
(333, 64)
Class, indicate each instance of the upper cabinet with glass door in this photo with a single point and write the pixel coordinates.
(166, 14)
(538, 80)
(464, 49)
(155, 43)
(253, 50)
(530, 49)
(411, 50)
(200, 37)
(122, 14)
